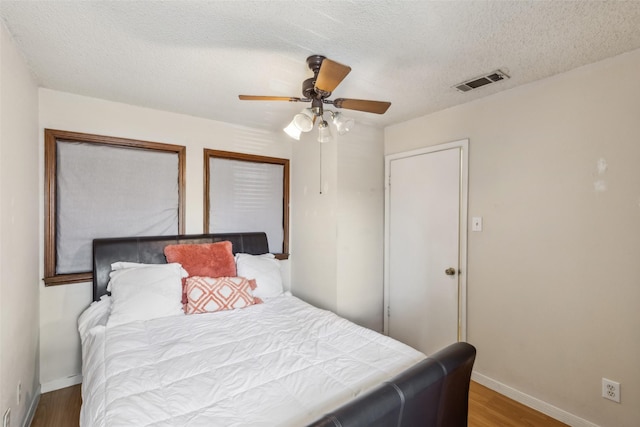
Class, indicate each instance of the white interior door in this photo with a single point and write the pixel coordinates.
(425, 235)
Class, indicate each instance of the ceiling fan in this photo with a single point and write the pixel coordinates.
(327, 75)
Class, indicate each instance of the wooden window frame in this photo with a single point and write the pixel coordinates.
(51, 136)
(229, 155)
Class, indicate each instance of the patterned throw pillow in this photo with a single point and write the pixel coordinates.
(209, 294)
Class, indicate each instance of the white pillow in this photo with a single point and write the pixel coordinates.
(126, 264)
(145, 292)
(265, 269)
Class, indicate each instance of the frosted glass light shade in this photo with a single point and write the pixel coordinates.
(293, 131)
(304, 120)
(324, 134)
(343, 124)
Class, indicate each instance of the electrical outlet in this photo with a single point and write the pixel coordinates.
(6, 420)
(611, 390)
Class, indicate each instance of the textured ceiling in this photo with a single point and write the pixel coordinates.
(196, 57)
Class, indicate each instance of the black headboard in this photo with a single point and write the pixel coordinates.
(150, 250)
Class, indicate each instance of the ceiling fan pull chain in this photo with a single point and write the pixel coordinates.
(320, 145)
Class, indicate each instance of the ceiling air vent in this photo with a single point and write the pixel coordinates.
(494, 76)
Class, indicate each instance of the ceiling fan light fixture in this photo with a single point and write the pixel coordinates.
(304, 120)
(327, 75)
(324, 133)
(343, 124)
(292, 130)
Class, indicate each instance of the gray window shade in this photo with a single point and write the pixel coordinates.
(247, 196)
(108, 191)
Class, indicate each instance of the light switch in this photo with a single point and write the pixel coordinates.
(476, 223)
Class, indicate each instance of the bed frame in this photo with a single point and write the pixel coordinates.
(432, 393)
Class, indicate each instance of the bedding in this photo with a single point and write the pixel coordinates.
(279, 363)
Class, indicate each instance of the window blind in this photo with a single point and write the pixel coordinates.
(110, 191)
(247, 196)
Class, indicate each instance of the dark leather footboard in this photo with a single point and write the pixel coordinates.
(433, 393)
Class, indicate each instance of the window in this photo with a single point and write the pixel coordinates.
(100, 186)
(245, 192)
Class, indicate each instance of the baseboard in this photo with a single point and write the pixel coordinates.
(32, 409)
(532, 402)
(61, 383)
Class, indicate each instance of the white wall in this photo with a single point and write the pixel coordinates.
(60, 306)
(360, 228)
(337, 242)
(314, 222)
(19, 204)
(553, 280)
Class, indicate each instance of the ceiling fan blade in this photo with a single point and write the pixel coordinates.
(378, 107)
(268, 98)
(330, 75)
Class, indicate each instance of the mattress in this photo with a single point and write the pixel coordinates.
(280, 363)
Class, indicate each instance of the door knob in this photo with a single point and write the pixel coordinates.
(450, 271)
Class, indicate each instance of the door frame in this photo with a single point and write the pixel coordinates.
(463, 145)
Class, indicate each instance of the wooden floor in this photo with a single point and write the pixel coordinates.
(61, 408)
(490, 409)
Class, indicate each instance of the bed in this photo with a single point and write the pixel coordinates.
(276, 361)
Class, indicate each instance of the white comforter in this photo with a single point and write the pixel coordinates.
(281, 363)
